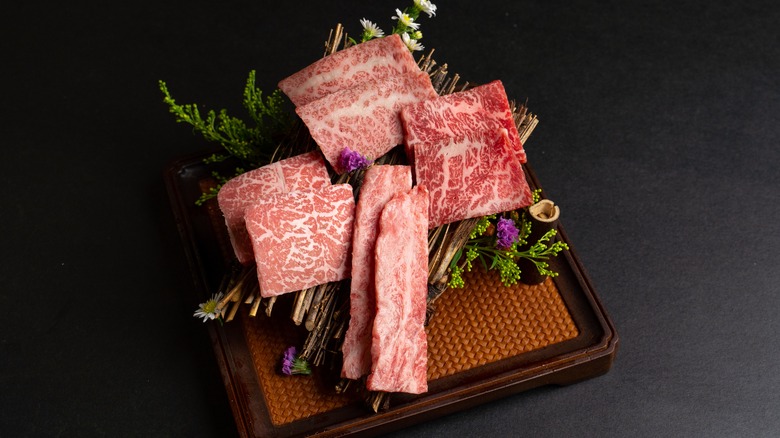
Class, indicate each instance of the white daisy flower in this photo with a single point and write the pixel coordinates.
(426, 6)
(405, 19)
(371, 30)
(208, 310)
(413, 45)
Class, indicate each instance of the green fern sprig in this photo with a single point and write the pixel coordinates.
(253, 145)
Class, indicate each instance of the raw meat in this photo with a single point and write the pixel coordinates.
(464, 114)
(364, 118)
(306, 171)
(471, 177)
(347, 68)
(302, 238)
(400, 348)
(379, 185)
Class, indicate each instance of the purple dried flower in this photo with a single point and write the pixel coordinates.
(294, 365)
(288, 360)
(506, 233)
(350, 160)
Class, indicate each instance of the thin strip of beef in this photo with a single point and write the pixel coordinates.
(380, 184)
(400, 348)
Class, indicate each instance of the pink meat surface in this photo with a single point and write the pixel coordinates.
(347, 68)
(302, 238)
(471, 177)
(461, 115)
(399, 348)
(306, 171)
(364, 118)
(379, 185)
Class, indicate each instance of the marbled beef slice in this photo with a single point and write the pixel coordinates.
(347, 68)
(399, 347)
(462, 115)
(471, 177)
(379, 185)
(302, 238)
(364, 118)
(305, 171)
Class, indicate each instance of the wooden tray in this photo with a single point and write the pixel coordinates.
(486, 341)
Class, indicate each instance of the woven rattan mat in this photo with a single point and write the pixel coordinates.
(480, 324)
(487, 321)
(288, 398)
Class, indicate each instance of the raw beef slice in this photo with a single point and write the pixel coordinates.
(465, 114)
(400, 348)
(379, 185)
(471, 177)
(364, 118)
(306, 171)
(347, 68)
(301, 239)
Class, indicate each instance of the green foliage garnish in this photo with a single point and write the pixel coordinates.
(483, 247)
(253, 145)
(508, 269)
(481, 227)
(456, 277)
(542, 250)
(485, 244)
(536, 196)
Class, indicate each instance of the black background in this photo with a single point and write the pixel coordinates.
(659, 138)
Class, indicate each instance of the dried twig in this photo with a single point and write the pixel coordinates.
(448, 245)
(270, 306)
(301, 306)
(315, 307)
(255, 306)
(378, 400)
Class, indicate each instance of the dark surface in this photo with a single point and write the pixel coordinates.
(659, 138)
